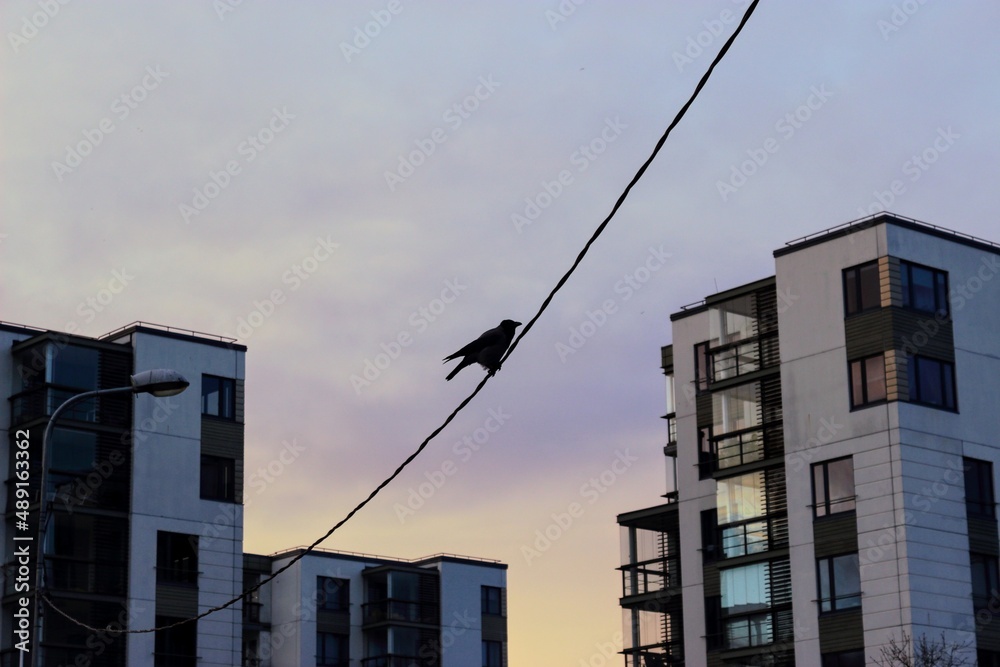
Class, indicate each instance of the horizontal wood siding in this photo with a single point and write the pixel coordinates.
(842, 631)
(835, 535)
(176, 601)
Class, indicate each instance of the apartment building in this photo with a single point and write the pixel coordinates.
(132, 482)
(831, 456)
(337, 609)
(144, 528)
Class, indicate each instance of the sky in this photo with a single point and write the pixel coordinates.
(354, 190)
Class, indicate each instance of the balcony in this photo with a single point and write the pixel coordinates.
(405, 611)
(660, 655)
(650, 576)
(391, 660)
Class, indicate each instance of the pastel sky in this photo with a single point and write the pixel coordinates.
(359, 186)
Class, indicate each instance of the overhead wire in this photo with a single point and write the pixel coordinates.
(423, 445)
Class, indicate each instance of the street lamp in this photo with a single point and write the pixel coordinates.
(161, 382)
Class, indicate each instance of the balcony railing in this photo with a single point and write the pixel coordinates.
(751, 536)
(739, 449)
(650, 576)
(400, 610)
(391, 660)
(661, 655)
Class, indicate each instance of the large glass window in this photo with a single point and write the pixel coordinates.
(332, 649)
(985, 580)
(176, 646)
(839, 583)
(979, 496)
(492, 653)
(735, 409)
(176, 558)
(868, 380)
(732, 320)
(218, 478)
(73, 451)
(833, 486)
(492, 600)
(74, 367)
(218, 397)
(861, 288)
(333, 594)
(932, 382)
(739, 501)
(745, 589)
(924, 289)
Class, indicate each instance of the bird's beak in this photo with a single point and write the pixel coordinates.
(517, 324)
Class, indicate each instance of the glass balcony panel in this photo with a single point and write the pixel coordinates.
(735, 361)
(740, 449)
(749, 631)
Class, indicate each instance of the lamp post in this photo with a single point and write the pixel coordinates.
(160, 382)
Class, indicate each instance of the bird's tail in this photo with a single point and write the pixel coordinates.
(455, 371)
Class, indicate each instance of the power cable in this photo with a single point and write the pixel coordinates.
(545, 304)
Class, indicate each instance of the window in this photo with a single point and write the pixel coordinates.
(839, 583)
(492, 598)
(74, 367)
(746, 601)
(985, 580)
(932, 382)
(218, 478)
(924, 289)
(740, 500)
(218, 397)
(844, 659)
(701, 362)
(833, 487)
(868, 381)
(861, 288)
(175, 647)
(73, 451)
(492, 654)
(979, 498)
(176, 558)
(332, 649)
(333, 594)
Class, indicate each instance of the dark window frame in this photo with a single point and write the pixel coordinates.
(325, 660)
(862, 366)
(990, 573)
(491, 600)
(853, 658)
(337, 599)
(979, 479)
(176, 558)
(702, 367)
(825, 503)
(223, 406)
(939, 288)
(492, 653)
(836, 601)
(856, 297)
(218, 478)
(945, 382)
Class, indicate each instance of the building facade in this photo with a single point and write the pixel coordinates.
(132, 482)
(833, 442)
(339, 609)
(144, 528)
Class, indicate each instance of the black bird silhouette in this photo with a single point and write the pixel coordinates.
(487, 350)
